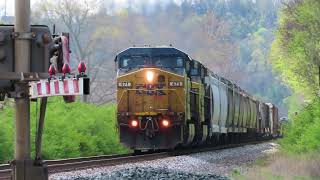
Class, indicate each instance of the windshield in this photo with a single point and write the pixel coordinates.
(129, 62)
(169, 61)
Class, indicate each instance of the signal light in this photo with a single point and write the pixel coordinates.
(82, 68)
(52, 70)
(165, 123)
(46, 38)
(150, 75)
(66, 69)
(134, 123)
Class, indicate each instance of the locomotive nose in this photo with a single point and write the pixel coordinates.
(153, 97)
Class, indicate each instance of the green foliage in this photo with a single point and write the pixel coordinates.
(6, 134)
(295, 55)
(71, 130)
(293, 103)
(296, 52)
(302, 135)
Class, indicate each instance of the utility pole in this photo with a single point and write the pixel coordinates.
(22, 103)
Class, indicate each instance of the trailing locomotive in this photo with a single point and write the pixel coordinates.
(166, 99)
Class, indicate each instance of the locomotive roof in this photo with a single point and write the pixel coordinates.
(151, 51)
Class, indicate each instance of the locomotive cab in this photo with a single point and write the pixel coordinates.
(151, 97)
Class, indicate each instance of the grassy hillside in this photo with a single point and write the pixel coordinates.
(302, 135)
(71, 130)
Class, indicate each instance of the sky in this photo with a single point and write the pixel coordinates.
(10, 6)
(117, 4)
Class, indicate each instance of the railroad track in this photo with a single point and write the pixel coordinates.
(72, 164)
(75, 164)
(65, 165)
(5, 171)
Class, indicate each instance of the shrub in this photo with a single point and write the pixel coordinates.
(71, 130)
(303, 134)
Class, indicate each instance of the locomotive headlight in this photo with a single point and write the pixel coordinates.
(150, 76)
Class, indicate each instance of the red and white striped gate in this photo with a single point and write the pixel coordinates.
(66, 87)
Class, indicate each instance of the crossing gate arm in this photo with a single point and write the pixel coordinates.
(59, 87)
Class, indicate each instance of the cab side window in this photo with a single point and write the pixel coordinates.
(125, 63)
(195, 69)
(179, 62)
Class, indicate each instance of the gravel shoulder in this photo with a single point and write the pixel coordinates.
(206, 165)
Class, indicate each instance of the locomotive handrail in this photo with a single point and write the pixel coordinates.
(126, 91)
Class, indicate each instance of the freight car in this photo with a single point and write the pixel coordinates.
(165, 99)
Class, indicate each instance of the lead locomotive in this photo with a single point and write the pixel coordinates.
(166, 99)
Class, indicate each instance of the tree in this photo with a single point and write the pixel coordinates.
(218, 33)
(74, 15)
(296, 49)
(295, 52)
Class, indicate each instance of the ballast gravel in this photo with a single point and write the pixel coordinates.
(206, 165)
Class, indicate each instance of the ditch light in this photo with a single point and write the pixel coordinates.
(134, 123)
(165, 123)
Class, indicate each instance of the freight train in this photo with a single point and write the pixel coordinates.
(165, 99)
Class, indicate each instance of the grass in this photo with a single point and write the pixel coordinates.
(302, 135)
(299, 157)
(71, 130)
(282, 166)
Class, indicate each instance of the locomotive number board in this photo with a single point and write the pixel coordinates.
(176, 83)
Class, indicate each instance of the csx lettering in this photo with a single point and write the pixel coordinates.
(150, 93)
(149, 89)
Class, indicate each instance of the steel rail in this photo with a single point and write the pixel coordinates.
(190, 150)
(82, 159)
(5, 171)
(5, 174)
(4, 167)
(112, 161)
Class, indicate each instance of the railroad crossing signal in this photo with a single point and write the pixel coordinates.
(26, 54)
(39, 37)
(45, 50)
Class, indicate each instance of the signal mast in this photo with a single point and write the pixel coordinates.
(27, 72)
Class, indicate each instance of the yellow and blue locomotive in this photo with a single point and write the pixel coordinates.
(166, 99)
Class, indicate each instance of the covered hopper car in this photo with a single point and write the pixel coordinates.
(165, 99)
